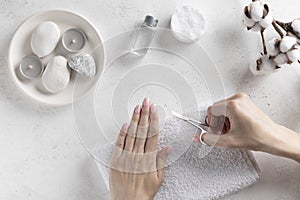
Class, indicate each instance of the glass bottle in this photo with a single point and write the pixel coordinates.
(144, 36)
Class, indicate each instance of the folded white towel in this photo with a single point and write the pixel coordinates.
(194, 171)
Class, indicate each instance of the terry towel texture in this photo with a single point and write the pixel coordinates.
(195, 171)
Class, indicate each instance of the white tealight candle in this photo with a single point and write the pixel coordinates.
(31, 67)
(73, 40)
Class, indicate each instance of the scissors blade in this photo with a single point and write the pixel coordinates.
(180, 116)
(202, 126)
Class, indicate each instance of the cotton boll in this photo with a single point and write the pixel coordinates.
(45, 38)
(248, 22)
(267, 65)
(287, 43)
(267, 21)
(281, 59)
(253, 69)
(263, 66)
(296, 26)
(272, 48)
(293, 55)
(256, 28)
(257, 16)
(256, 10)
(56, 75)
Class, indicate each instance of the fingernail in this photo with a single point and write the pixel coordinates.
(153, 108)
(125, 127)
(137, 109)
(169, 149)
(146, 102)
(196, 139)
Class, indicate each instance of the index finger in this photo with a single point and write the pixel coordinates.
(217, 109)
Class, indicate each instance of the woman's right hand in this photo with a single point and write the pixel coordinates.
(243, 125)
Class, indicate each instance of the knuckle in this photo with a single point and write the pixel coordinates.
(241, 95)
(132, 129)
(209, 109)
(130, 139)
(122, 134)
(233, 105)
(142, 131)
(139, 142)
(154, 130)
(135, 118)
(145, 111)
(131, 134)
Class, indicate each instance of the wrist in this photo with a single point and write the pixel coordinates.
(283, 142)
(132, 197)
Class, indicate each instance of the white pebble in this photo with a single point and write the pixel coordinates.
(45, 38)
(272, 49)
(281, 59)
(296, 26)
(287, 43)
(256, 10)
(293, 55)
(56, 75)
(187, 24)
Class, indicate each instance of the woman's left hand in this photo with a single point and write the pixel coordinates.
(137, 170)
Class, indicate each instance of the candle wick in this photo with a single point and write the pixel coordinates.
(73, 41)
(30, 66)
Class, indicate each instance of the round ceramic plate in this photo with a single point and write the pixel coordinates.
(20, 47)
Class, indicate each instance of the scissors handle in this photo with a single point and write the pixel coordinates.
(203, 131)
(198, 125)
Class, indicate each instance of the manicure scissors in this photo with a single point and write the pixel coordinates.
(200, 125)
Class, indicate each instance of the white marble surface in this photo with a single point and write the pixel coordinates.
(41, 156)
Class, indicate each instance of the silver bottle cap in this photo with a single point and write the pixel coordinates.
(150, 21)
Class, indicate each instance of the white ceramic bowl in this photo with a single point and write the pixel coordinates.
(20, 47)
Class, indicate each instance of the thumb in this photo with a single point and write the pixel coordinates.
(211, 139)
(161, 161)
